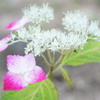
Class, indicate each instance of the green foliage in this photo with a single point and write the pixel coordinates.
(44, 90)
(66, 76)
(90, 53)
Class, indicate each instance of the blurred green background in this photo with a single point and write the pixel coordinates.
(86, 78)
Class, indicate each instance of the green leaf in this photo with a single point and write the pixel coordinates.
(90, 53)
(44, 90)
(66, 76)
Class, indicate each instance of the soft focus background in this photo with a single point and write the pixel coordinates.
(86, 78)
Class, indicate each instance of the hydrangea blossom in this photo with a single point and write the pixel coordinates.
(39, 14)
(78, 30)
(54, 40)
(4, 43)
(79, 23)
(18, 24)
(75, 21)
(22, 71)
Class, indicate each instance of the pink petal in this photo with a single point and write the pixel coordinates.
(31, 59)
(15, 25)
(12, 25)
(14, 82)
(35, 75)
(5, 39)
(3, 47)
(20, 64)
(3, 43)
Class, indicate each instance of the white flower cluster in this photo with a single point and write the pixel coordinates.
(28, 34)
(93, 29)
(39, 14)
(54, 40)
(79, 30)
(75, 21)
(78, 22)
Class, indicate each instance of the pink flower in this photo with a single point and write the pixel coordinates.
(18, 24)
(3, 43)
(22, 71)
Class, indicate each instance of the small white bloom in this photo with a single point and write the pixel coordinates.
(13, 36)
(28, 34)
(75, 21)
(29, 48)
(76, 41)
(94, 28)
(39, 14)
(22, 33)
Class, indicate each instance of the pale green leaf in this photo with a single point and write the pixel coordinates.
(66, 76)
(90, 53)
(44, 90)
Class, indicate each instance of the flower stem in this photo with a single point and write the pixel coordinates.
(66, 53)
(50, 74)
(45, 60)
(59, 67)
(49, 56)
(17, 41)
(59, 60)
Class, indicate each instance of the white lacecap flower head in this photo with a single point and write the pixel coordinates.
(79, 30)
(75, 21)
(54, 40)
(39, 14)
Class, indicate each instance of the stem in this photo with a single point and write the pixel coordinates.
(59, 60)
(50, 65)
(45, 60)
(69, 53)
(49, 56)
(53, 57)
(59, 67)
(50, 74)
(17, 41)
